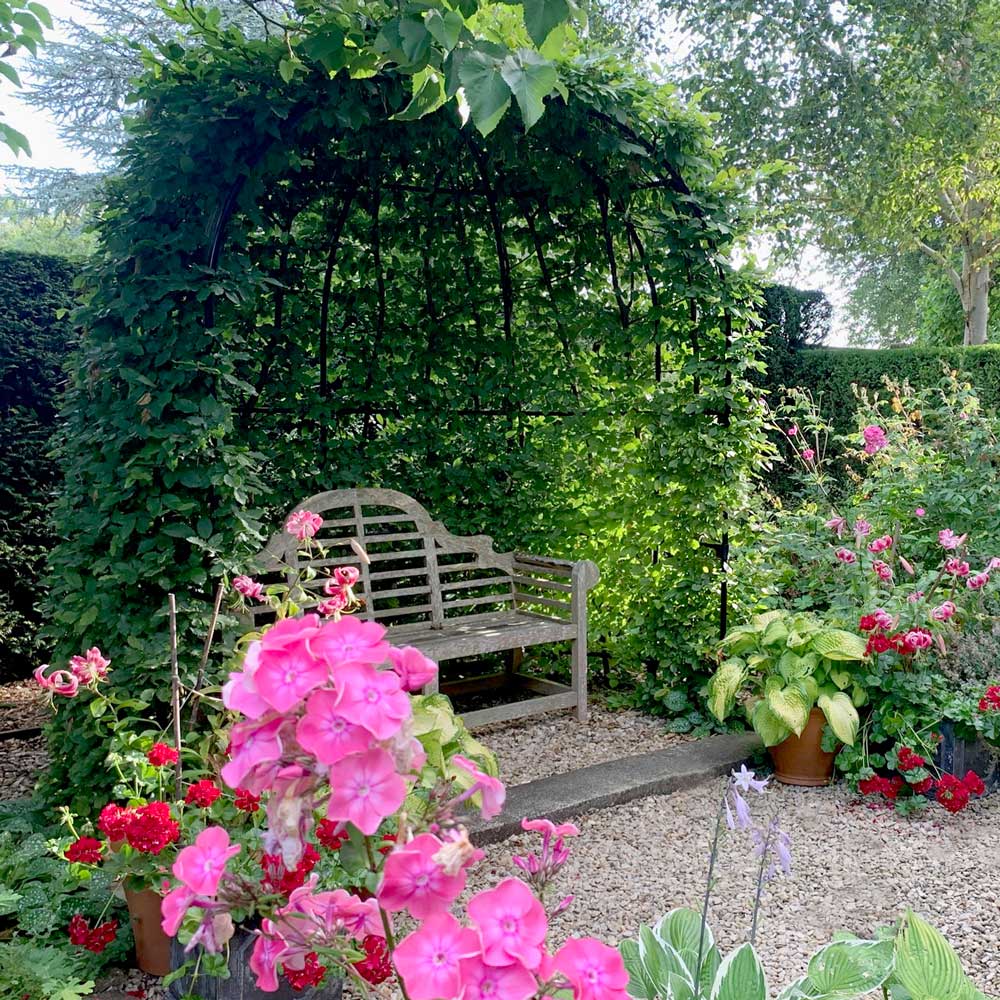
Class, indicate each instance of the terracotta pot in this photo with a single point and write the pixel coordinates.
(800, 760)
(152, 946)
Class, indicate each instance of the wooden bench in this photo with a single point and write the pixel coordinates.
(451, 597)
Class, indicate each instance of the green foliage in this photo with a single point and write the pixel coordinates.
(912, 960)
(364, 323)
(34, 343)
(22, 23)
(791, 662)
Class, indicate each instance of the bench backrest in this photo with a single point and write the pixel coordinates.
(419, 571)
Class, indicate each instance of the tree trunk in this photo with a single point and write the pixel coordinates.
(975, 300)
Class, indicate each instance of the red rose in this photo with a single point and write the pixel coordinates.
(247, 801)
(159, 754)
(202, 793)
(86, 850)
(375, 967)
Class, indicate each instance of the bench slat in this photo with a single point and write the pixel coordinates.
(531, 581)
(471, 602)
(547, 602)
(490, 581)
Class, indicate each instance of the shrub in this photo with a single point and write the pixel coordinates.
(34, 342)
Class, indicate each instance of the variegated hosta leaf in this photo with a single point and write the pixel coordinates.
(847, 969)
(841, 714)
(927, 966)
(740, 977)
(836, 644)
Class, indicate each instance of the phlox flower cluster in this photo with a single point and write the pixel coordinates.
(875, 439)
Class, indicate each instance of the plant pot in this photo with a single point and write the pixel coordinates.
(241, 984)
(152, 946)
(958, 757)
(801, 760)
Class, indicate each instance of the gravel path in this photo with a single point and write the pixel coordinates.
(20, 762)
(854, 869)
(555, 743)
(22, 704)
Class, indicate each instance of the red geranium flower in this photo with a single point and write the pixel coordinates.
(277, 878)
(96, 939)
(202, 793)
(86, 850)
(867, 623)
(907, 760)
(326, 834)
(159, 754)
(247, 801)
(311, 973)
(151, 828)
(879, 644)
(952, 794)
(114, 820)
(375, 967)
(974, 783)
(921, 787)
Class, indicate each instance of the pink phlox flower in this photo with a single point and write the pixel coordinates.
(429, 960)
(91, 667)
(415, 670)
(549, 829)
(248, 587)
(919, 512)
(957, 567)
(200, 865)
(213, 933)
(326, 732)
(862, 529)
(407, 751)
(457, 851)
(880, 544)
(491, 790)
(413, 881)
(978, 580)
(290, 808)
(490, 982)
(60, 682)
(511, 923)
(268, 951)
(373, 699)
(255, 747)
(837, 524)
(875, 439)
(287, 669)
(347, 640)
(341, 910)
(949, 540)
(595, 970)
(846, 556)
(347, 576)
(303, 524)
(365, 789)
(173, 908)
(882, 570)
(239, 693)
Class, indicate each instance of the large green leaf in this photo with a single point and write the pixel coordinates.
(847, 969)
(640, 985)
(724, 685)
(836, 644)
(790, 703)
(661, 962)
(486, 91)
(531, 79)
(681, 929)
(767, 725)
(740, 977)
(428, 95)
(927, 965)
(841, 714)
(541, 16)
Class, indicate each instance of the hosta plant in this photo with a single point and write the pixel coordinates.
(676, 959)
(781, 665)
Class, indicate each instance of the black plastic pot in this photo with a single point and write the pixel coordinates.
(958, 757)
(241, 984)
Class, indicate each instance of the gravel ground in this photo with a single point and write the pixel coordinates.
(854, 869)
(22, 704)
(553, 744)
(20, 762)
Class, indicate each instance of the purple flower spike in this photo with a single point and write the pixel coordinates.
(747, 781)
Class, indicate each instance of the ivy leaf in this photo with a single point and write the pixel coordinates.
(541, 16)
(530, 78)
(485, 90)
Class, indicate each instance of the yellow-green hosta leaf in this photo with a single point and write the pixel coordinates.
(836, 644)
(927, 966)
(767, 725)
(847, 969)
(789, 703)
(842, 678)
(842, 716)
(724, 685)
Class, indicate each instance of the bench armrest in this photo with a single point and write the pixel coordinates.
(583, 573)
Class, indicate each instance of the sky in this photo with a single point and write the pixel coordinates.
(48, 150)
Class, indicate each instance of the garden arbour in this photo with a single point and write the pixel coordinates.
(534, 332)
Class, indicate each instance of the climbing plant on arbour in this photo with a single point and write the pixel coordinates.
(534, 332)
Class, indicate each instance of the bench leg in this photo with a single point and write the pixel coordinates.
(578, 654)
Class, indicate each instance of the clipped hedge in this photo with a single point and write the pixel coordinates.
(829, 372)
(34, 343)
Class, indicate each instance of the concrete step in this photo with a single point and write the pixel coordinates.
(564, 796)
